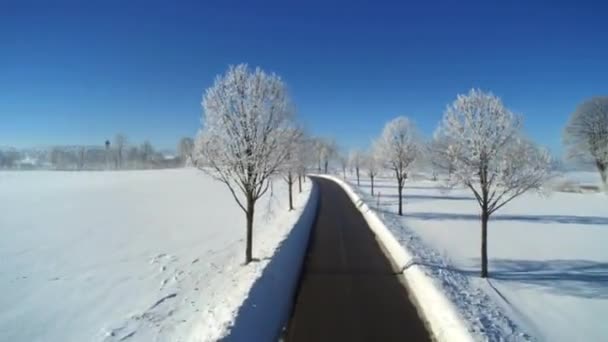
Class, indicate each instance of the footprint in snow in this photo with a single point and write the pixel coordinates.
(155, 315)
(157, 258)
(161, 300)
(120, 334)
(163, 256)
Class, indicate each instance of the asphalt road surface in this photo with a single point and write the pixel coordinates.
(349, 289)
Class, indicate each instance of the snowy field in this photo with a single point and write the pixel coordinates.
(133, 255)
(548, 257)
(581, 177)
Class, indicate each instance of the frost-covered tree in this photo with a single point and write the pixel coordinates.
(81, 157)
(343, 159)
(120, 142)
(398, 147)
(305, 157)
(317, 145)
(146, 153)
(58, 158)
(372, 165)
(586, 135)
(328, 152)
(107, 155)
(292, 161)
(325, 150)
(355, 160)
(437, 153)
(484, 143)
(9, 158)
(133, 157)
(247, 118)
(184, 149)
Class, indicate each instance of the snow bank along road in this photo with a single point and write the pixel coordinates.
(349, 289)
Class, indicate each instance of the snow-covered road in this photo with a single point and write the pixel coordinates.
(133, 255)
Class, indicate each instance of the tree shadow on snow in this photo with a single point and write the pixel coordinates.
(394, 186)
(416, 197)
(260, 259)
(562, 219)
(377, 186)
(580, 278)
(268, 305)
(435, 187)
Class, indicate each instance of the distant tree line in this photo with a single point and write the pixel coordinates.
(117, 154)
(9, 158)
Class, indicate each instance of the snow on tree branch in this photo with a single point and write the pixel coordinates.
(398, 146)
(295, 145)
(185, 148)
(247, 119)
(326, 150)
(482, 141)
(372, 164)
(355, 160)
(586, 134)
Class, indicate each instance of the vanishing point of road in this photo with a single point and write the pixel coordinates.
(349, 289)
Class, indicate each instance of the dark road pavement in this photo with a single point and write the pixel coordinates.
(349, 289)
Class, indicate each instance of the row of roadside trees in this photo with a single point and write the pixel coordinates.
(479, 144)
(250, 134)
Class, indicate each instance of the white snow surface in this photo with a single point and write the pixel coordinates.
(548, 259)
(128, 256)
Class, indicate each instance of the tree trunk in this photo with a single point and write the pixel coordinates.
(344, 172)
(372, 177)
(290, 183)
(603, 173)
(357, 170)
(400, 189)
(484, 243)
(300, 183)
(325, 165)
(249, 214)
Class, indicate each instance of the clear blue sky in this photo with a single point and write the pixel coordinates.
(79, 71)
